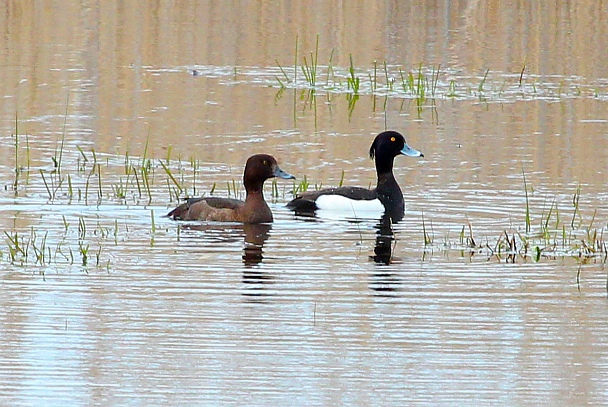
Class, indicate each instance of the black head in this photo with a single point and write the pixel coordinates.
(259, 168)
(390, 144)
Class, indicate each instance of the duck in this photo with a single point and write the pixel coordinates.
(386, 197)
(253, 210)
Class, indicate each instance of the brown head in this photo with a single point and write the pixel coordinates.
(258, 169)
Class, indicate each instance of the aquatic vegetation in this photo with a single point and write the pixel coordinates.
(23, 249)
(423, 84)
(300, 187)
(427, 235)
(341, 183)
(173, 192)
(551, 237)
(87, 177)
(546, 235)
(19, 167)
(527, 203)
(483, 81)
(353, 81)
(309, 68)
(285, 76)
(555, 230)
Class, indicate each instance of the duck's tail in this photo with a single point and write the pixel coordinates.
(179, 212)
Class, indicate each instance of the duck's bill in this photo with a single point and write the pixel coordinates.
(282, 174)
(410, 152)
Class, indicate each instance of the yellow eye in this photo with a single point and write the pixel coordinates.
(265, 162)
(392, 138)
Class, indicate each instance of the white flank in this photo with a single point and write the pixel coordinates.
(350, 207)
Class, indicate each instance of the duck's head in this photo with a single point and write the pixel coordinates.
(259, 168)
(390, 144)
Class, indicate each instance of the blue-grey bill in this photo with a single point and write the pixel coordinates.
(409, 151)
(282, 174)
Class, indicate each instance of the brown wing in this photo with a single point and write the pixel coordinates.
(192, 208)
(222, 203)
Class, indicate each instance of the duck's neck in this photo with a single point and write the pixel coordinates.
(253, 186)
(390, 195)
(387, 188)
(384, 164)
(254, 196)
(386, 180)
(256, 210)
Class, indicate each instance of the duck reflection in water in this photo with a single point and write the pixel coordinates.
(255, 237)
(254, 278)
(383, 250)
(383, 281)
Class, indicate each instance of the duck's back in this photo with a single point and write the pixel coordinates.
(209, 208)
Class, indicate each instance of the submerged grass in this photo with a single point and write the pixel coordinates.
(310, 68)
(554, 232)
(559, 233)
(423, 84)
(25, 249)
(549, 237)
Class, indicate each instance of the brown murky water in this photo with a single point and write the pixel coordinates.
(105, 302)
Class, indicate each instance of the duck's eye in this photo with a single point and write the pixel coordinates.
(393, 139)
(265, 162)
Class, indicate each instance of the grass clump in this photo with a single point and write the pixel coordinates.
(310, 68)
(549, 237)
(32, 249)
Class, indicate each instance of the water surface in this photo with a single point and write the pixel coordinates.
(105, 301)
